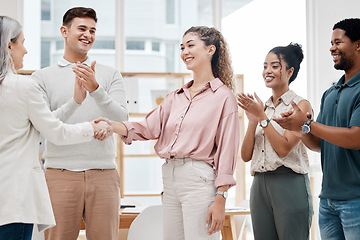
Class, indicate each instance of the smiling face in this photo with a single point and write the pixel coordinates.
(17, 51)
(275, 74)
(194, 53)
(79, 36)
(342, 50)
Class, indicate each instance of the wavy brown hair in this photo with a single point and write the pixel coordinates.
(221, 61)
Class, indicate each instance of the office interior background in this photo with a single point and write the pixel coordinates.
(144, 36)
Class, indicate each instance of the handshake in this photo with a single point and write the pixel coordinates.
(102, 128)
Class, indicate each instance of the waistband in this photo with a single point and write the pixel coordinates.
(281, 169)
(179, 159)
(183, 160)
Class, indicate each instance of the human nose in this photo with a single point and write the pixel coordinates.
(87, 34)
(332, 48)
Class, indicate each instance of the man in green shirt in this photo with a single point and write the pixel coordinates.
(336, 133)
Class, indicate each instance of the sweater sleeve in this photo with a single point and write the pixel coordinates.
(113, 101)
(66, 110)
(49, 126)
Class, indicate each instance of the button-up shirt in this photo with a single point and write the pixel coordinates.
(264, 157)
(205, 127)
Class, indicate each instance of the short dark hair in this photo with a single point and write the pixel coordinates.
(351, 26)
(80, 12)
(292, 54)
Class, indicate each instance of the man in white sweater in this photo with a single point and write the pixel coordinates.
(82, 179)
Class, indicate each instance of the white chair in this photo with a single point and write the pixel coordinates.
(148, 225)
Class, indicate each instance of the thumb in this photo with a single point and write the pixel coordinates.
(295, 106)
(93, 65)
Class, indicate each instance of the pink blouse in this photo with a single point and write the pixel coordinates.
(204, 128)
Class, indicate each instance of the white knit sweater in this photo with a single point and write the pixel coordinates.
(109, 100)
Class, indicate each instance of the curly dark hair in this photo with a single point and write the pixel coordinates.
(80, 12)
(221, 61)
(351, 26)
(292, 54)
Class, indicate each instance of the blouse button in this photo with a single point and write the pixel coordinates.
(262, 150)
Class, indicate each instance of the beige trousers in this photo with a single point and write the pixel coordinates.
(92, 195)
(188, 193)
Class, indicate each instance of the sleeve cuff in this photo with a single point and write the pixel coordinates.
(88, 131)
(98, 93)
(224, 179)
(131, 132)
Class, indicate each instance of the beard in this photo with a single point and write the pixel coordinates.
(344, 63)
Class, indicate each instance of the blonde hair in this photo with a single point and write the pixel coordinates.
(221, 61)
(10, 30)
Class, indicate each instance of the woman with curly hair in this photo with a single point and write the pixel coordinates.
(197, 128)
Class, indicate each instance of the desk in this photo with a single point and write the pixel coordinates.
(228, 232)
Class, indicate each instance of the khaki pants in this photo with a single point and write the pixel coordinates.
(93, 195)
(188, 193)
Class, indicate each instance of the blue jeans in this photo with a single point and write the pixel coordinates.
(16, 231)
(339, 220)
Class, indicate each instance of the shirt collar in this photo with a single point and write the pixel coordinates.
(214, 85)
(63, 63)
(352, 82)
(285, 98)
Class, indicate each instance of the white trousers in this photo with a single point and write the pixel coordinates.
(188, 193)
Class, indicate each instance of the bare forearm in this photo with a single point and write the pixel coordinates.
(119, 128)
(311, 141)
(247, 146)
(339, 136)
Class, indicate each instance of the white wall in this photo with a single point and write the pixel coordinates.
(321, 17)
(13, 9)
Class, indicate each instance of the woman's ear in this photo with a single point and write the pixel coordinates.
(10, 45)
(290, 72)
(211, 50)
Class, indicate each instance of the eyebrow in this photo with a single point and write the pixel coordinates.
(84, 26)
(187, 42)
(273, 62)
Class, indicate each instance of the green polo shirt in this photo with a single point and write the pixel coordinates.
(340, 107)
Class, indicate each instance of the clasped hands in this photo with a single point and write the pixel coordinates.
(102, 129)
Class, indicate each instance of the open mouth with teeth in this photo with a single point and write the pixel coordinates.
(269, 78)
(336, 57)
(85, 41)
(188, 59)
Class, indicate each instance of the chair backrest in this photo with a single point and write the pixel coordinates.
(148, 225)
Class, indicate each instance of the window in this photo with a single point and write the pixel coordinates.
(135, 45)
(45, 10)
(104, 44)
(60, 45)
(170, 11)
(45, 53)
(155, 46)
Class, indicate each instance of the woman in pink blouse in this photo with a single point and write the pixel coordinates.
(280, 196)
(197, 128)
